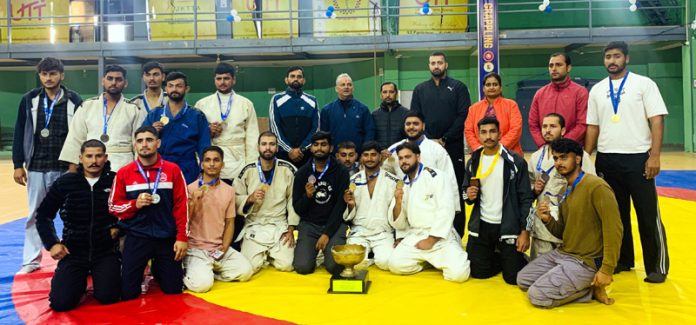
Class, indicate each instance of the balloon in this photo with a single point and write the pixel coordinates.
(230, 18)
(548, 9)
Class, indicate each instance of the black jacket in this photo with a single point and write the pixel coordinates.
(389, 124)
(444, 107)
(85, 214)
(327, 206)
(517, 194)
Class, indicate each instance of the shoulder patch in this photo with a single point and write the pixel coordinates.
(431, 171)
(288, 165)
(92, 98)
(132, 100)
(241, 173)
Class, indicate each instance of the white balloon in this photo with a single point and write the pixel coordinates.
(632, 2)
(233, 12)
(546, 2)
(333, 15)
(237, 19)
(633, 8)
(542, 7)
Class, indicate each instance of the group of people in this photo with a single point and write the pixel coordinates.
(193, 194)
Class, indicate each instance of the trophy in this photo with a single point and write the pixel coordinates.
(350, 280)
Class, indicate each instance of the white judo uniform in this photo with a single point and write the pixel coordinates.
(542, 240)
(88, 123)
(427, 210)
(239, 137)
(266, 222)
(141, 101)
(370, 226)
(433, 155)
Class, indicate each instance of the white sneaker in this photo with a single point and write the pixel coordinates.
(146, 284)
(26, 269)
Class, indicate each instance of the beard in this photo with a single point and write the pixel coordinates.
(296, 85)
(321, 156)
(175, 97)
(415, 137)
(410, 169)
(114, 91)
(437, 73)
(620, 68)
(147, 155)
(267, 155)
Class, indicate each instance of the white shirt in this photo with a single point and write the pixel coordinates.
(238, 139)
(92, 180)
(432, 154)
(492, 190)
(640, 100)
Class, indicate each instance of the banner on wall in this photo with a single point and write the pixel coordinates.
(449, 18)
(28, 13)
(164, 17)
(353, 18)
(487, 40)
(265, 19)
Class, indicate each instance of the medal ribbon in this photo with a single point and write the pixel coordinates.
(420, 169)
(616, 98)
(262, 176)
(211, 183)
(107, 117)
(224, 116)
(369, 178)
(314, 169)
(568, 189)
(142, 172)
(48, 111)
(490, 168)
(538, 166)
(166, 109)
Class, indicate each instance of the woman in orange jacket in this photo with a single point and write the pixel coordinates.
(505, 110)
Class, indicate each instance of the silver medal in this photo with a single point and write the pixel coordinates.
(155, 198)
(45, 133)
(104, 138)
(545, 177)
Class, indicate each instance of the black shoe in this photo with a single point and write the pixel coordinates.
(655, 277)
(620, 268)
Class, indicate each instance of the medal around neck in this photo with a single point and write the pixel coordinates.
(545, 177)
(45, 133)
(156, 198)
(615, 118)
(312, 179)
(265, 187)
(399, 184)
(352, 187)
(104, 138)
(164, 120)
(350, 280)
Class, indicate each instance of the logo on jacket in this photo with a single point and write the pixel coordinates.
(323, 192)
(163, 177)
(302, 108)
(450, 88)
(107, 190)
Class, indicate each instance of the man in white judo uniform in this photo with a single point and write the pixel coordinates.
(421, 212)
(264, 198)
(367, 199)
(109, 118)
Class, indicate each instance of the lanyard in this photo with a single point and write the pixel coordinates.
(48, 111)
(616, 98)
(147, 106)
(490, 168)
(369, 178)
(107, 117)
(224, 116)
(142, 172)
(418, 143)
(166, 109)
(568, 189)
(538, 166)
(262, 176)
(211, 183)
(420, 169)
(314, 169)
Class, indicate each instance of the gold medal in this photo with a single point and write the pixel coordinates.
(164, 120)
(400, 184)
(391, 159)
(265, 188)
(205, 188)
(352, 187)
(616, 118)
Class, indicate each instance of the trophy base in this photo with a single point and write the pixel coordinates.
(359, 284)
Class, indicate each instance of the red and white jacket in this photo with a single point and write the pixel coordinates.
(166, 219)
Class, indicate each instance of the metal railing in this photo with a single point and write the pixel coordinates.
(378, 19)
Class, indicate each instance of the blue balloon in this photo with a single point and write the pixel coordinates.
(548, 9)
(426, 10)
(330, 9)
(230, 18)
(427, 4)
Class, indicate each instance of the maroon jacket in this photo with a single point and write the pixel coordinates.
(567, 99)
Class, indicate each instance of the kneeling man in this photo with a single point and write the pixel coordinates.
(211, 224)
(590, 227)
(422, 213)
